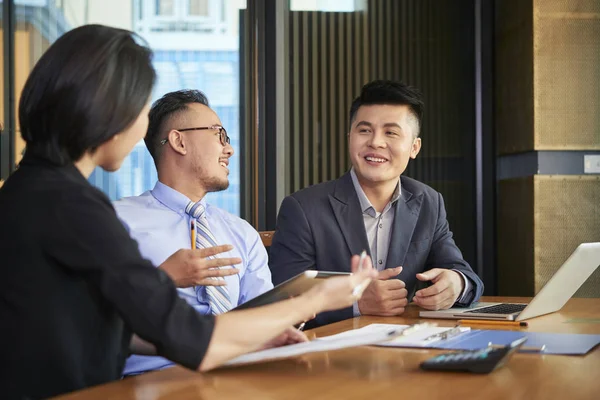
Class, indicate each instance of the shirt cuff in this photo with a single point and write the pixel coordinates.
(468, 287)
(355, 310)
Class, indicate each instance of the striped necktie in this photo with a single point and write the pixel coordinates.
(218, 296)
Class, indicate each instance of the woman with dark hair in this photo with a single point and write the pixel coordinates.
(74, 287)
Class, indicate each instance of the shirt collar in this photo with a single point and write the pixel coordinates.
(171, 198)
(365, 204)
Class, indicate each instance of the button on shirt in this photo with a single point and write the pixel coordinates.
(158, 221)
(378, 226)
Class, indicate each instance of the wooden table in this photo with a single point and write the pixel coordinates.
(383, 373)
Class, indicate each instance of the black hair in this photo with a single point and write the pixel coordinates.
(162, 110)
(91, 84)
(389, 92)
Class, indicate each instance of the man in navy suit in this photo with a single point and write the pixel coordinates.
(399, 221)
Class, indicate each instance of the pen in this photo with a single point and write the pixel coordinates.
(447, 334)
(358, 289)
(415, 327)
(487, 322)
(301, 326)
(193, 233)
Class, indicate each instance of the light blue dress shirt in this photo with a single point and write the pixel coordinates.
(157, 221)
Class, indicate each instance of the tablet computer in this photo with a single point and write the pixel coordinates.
(290, 288)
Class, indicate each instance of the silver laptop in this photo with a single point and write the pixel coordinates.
(553, 296)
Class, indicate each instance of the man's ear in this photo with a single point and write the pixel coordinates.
(416, 147)
(176, 141)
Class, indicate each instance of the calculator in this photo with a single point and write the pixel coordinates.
(480, 361)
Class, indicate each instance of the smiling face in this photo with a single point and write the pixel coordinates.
(382, 139)
(206, 159)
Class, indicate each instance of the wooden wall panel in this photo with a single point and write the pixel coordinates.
(566, 72)
(328, 67)
(541, 221)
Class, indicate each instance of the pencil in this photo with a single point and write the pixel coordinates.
(490, 322)
(193, 233)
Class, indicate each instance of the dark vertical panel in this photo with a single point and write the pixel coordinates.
(315, 119)
(305, 121)
(396, 35)
(7, 137)
(378, 23)
(333, 98)
(258, 52)
(358, 56)
(391, 43)
(402, 21)
(486, 184)
(365, 31)
(258, 138)
(324, 117)
(246, 128)
(267, 156)
(295, 100)
(341, 81)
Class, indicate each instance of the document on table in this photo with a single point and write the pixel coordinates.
(341, 342)
(425, 337)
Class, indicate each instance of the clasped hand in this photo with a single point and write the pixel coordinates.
(447, 286)
(385, 296)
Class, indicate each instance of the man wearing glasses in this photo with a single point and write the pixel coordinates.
(216, 259)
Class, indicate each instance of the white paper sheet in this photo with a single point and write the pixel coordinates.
(352, 340)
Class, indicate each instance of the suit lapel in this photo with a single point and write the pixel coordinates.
(408, 207)
(348, 214)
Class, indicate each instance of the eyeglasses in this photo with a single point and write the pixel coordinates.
(223, 138)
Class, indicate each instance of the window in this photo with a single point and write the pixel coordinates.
(165, 7)
(327, 5)
(198, 8)
(187, 55)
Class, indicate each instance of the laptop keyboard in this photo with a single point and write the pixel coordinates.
(499, 309)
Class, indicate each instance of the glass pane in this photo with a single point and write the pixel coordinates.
(164, 7)
(327, 5)
(188, 54)
(199, 7)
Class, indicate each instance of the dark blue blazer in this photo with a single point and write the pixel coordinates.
(322, 226)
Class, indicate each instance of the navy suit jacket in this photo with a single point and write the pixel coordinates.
(322, 226)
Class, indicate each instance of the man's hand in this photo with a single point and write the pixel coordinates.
(447, 286)
(190, 267)
(384, 296)
(289, 336)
